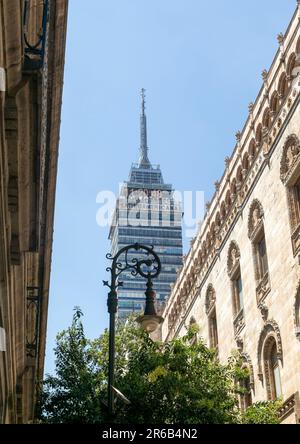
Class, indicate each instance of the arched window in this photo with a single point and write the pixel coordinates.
(275, 103)
(258, 135)
(245, 164)
(283, 86)
(228, 201)
(213, 233)
(218, 221)
(293, 63)
(256, 234)
(200, 259)
(208, 241)
(252, 150)
(272, 370)
(234, 273)
(267, 119)
(210, 305)
(204, 249)
(290, 176)
(297, 312)
(270, 359)
(239, 177)
(233, 190)
(223, 211)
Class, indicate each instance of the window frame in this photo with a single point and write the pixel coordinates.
(256, 234)
(290, 177)
(210, 304)
(261, 261)
(213, 329)
(271, 351)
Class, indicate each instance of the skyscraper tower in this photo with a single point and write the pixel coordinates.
(147, 213)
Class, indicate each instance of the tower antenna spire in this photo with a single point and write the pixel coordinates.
(143, 95)
(143, 161)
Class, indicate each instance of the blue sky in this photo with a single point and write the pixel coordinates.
(201, 65)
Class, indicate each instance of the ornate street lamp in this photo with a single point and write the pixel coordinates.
(149, 268)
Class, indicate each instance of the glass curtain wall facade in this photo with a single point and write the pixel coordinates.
(147, 213)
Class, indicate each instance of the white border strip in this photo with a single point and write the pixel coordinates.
(2, 80)
(2, 340)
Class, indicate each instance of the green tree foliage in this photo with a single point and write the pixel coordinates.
(72, 395)
(262, 413)
(180, 381)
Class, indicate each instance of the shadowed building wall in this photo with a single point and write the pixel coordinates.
(32, 52)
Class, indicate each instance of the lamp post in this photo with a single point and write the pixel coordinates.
(147, 267)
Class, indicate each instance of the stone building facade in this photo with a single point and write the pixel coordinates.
(32, 52)
(241, 278)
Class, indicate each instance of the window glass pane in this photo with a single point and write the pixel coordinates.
(239, 287)
(277, 382)
(213, 330)
(262, 247)
(262, 251)
(276, 372)
(274, 359)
